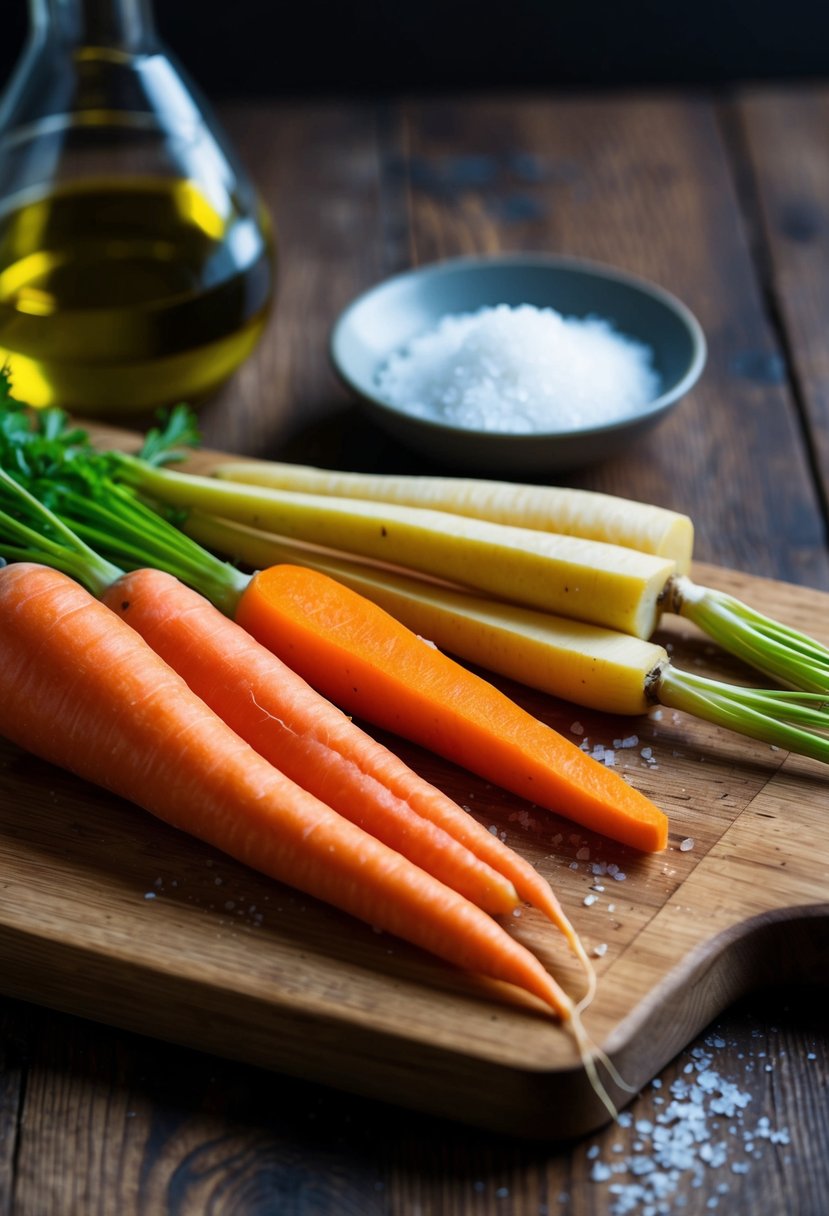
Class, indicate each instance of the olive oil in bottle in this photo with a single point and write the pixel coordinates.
(136, 258)
(121, 295)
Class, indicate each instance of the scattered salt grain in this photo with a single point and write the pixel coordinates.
(520, 370)
(685, 1142)
(589, 900)
(687, 844)
(600, 951)
(577, 729)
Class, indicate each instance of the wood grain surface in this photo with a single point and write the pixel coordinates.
(722, 200)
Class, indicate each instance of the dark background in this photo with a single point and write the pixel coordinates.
(264, 47)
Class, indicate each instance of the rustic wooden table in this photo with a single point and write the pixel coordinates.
(723, 200)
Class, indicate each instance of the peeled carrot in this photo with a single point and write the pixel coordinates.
(82, 690)
(367, 662)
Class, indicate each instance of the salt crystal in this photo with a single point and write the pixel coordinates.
(577, 729)
(687, 844)
(600, 951)
(684, 1145)
(589, 900)
(520, 370)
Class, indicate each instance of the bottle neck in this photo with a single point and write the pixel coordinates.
(125, 25)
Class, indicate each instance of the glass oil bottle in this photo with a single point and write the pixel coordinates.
(136, 258)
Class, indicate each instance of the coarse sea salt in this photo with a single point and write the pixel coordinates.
(521, 370)
(702, 1128)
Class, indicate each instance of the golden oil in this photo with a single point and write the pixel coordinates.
(120, 296)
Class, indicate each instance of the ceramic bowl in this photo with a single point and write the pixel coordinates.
(383, 320)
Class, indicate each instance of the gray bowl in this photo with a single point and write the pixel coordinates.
(387, 317)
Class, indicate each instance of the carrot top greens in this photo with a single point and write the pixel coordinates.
(88, 513)
(96, 525)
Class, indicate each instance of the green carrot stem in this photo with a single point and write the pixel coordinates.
(63, 550)
(136, 536)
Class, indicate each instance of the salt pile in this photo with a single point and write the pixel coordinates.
(521, 370)
(702, 1126)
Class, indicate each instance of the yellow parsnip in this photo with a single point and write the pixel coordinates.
(570, 512)
(585, 580)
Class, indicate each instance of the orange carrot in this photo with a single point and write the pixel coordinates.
(318, 747)
(367, 662)
(82, 690)
(306, 737)
(275, 711)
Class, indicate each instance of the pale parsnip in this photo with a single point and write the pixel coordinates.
(570, 512)
(584, 580)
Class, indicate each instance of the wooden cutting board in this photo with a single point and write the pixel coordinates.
(107, 913)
